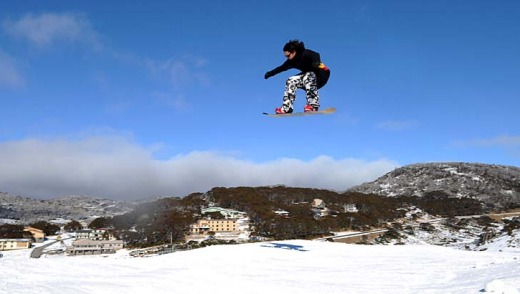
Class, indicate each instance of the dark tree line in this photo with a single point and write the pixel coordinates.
(47, 228)
(8, 231)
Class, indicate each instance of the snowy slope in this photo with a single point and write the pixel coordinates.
(318, 267)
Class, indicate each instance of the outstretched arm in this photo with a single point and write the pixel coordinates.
(285, 66)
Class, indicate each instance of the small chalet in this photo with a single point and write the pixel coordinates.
(350, 208)
(37, 234)
(319, 208)
(318, 203)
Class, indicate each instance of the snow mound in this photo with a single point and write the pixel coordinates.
(500, 287)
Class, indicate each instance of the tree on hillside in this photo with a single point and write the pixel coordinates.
(73, 226)
(124, 221)
(175, 225)
(214, 215)
(8, 231)
(47, 228)
(99, 223)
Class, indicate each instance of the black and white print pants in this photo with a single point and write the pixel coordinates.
(305, 81)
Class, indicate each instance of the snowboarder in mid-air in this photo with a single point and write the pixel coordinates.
(314, 75)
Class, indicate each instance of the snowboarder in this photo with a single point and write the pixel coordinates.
(314, 75)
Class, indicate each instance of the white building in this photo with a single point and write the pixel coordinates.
(92, 247)
(350, 208)
(94, 234)
(204, 226)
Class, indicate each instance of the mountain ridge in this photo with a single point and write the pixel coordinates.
(497, 186)
(76, 207)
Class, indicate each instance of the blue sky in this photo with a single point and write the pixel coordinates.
(166, 98)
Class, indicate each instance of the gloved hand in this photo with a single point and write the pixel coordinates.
(268, 75)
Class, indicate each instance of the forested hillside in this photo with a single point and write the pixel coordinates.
(168, 219)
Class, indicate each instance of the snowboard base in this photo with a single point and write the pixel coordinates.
(328, 110)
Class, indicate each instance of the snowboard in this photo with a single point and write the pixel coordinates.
(329, 110)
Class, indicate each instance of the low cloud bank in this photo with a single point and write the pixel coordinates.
(116, 168)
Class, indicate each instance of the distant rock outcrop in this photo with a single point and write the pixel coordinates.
(497, 186)
(27, 210)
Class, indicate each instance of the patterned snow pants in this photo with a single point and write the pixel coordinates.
(305, 81)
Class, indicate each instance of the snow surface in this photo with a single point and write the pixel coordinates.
(268, 267)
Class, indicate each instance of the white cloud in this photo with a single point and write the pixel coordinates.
(46, 28)
(10, 75)
(114, 167)
(507, 143)
(181, 72)
(499, 141)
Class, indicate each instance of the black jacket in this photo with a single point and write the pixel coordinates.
(306, 61)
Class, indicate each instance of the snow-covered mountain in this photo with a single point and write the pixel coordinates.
(28, 210)
(497, 186)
